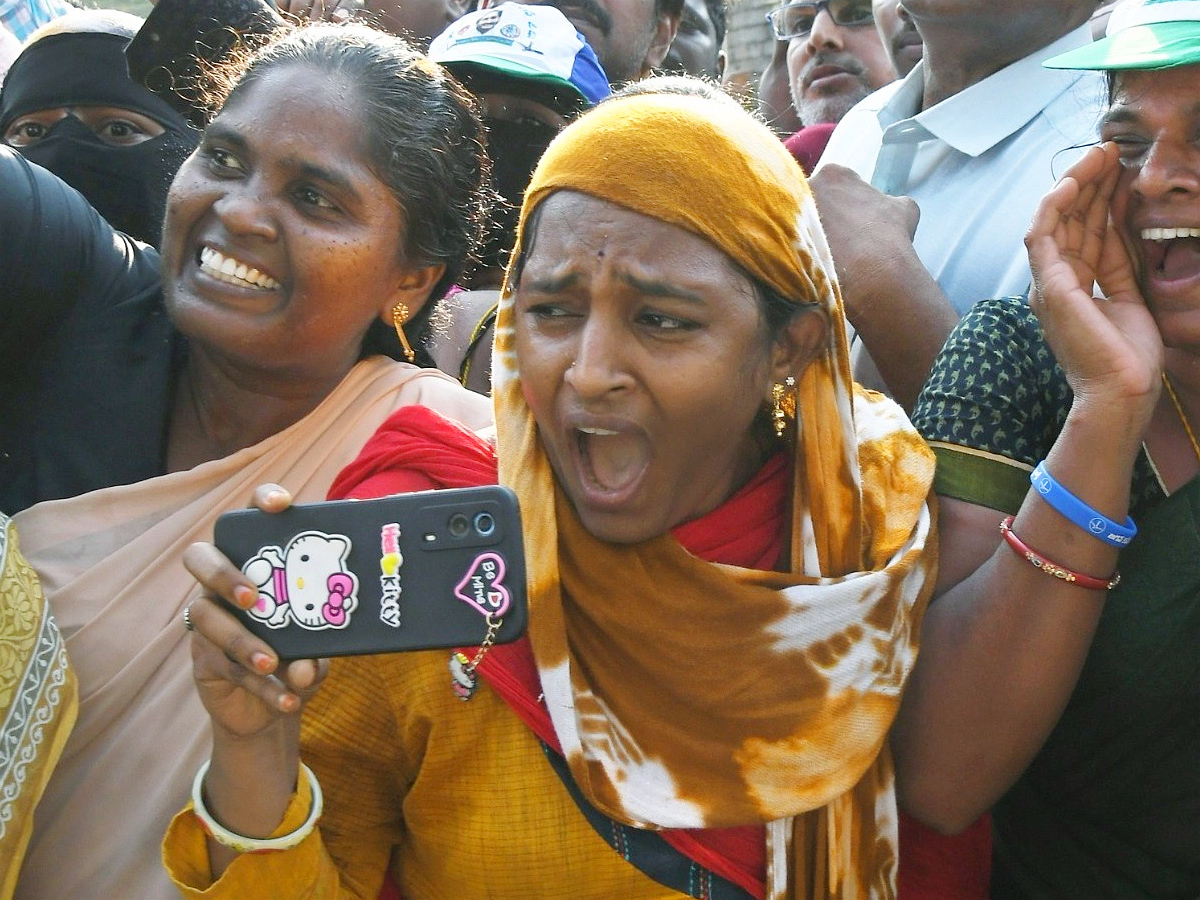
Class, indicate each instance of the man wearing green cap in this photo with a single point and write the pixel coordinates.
(532, 71)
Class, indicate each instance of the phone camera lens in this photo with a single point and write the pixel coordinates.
(484, 523)
(459, 525)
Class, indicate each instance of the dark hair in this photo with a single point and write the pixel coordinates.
(670, 7)
(424, 140)
(173, 53)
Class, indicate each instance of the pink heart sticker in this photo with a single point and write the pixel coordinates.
(483, 586)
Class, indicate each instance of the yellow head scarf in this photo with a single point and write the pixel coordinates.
(693, 695)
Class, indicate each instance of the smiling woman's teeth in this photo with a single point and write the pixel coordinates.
(599, 431)
(233, 272)
(1169, 234)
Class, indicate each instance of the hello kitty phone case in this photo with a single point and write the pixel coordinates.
(409, 572)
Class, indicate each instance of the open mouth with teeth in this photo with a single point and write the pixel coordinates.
(612, 462)
(231, 271)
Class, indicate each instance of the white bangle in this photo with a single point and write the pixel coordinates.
(243, 844)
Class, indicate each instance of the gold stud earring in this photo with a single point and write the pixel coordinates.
(783, 404)
(399, 317)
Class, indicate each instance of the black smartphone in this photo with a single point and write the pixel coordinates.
(408, 572)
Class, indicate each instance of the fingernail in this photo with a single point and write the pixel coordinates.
(244, 596)
(289, 702)
(262, 662)
(275, 497)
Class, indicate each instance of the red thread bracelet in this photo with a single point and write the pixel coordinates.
(1053, 568)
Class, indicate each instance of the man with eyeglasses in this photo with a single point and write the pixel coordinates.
(834, 55)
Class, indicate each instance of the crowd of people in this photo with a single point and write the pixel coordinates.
(852, 437)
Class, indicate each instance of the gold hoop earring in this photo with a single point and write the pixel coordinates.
(399, 317)
(783, 404)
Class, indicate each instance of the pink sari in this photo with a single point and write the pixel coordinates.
(110, 566)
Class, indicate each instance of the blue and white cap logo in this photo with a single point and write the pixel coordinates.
(532, 42)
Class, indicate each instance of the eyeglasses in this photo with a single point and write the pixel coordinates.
(794, 20)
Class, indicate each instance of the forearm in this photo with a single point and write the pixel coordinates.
(305, 872)
(902, 318)
(894, 304)
(249, 784)
(61, 263)
(1002, 650)
(345, 858)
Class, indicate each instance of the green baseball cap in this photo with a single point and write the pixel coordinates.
(1141, 34)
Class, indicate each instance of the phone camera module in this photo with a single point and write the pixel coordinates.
(459, 525)
(485, 524)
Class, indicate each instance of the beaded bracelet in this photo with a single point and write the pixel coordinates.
(240, 842)
(1071, 507)
(1052, 568)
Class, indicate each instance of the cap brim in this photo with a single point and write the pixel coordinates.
(475, 71)
(1162, 45)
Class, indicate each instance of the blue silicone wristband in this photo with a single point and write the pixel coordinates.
(1071, 507)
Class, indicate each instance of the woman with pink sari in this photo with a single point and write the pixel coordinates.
(336, 195)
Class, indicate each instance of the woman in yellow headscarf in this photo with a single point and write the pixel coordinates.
(729, 548)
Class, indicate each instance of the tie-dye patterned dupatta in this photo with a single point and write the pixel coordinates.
(694, 695)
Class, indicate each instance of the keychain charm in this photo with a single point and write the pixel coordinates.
(462, 676)
(463, 679)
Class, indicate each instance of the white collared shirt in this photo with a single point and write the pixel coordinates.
(977, 163)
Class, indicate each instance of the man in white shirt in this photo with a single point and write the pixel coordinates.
(975, 134)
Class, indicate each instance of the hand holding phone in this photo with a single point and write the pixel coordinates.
(408, 572)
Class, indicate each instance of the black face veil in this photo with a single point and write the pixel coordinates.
(126, 185)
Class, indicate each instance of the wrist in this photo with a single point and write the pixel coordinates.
(1106, 428)
(868, 290)
(295, 831)
(250, 781)
(1078, 512)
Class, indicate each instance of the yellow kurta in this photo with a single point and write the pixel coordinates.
(463, 790)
